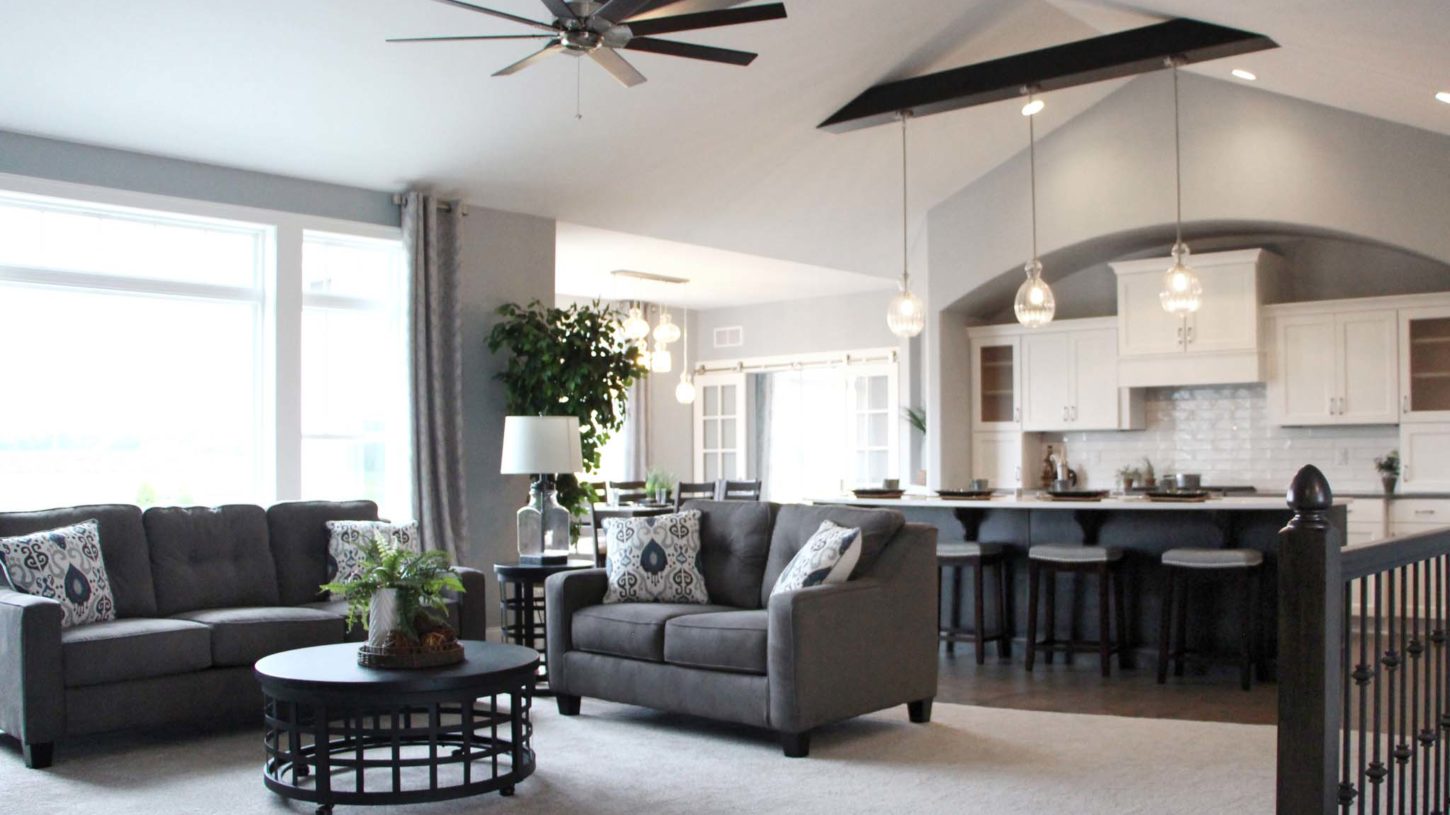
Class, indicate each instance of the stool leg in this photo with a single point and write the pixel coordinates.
(979, 605)
(1122, 622)
(1165, 625)
(956, 604)
(1050, 641)
(1182, 599)
(1256, 587)
(941, 627)
(1004, 623)
(1105, 634)
(1247, 624)
(1033, 573)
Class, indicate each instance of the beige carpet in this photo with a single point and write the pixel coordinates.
(616, 759)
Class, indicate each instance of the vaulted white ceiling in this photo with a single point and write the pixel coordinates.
(704, 154)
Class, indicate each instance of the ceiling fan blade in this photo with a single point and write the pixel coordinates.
(690, 51)
(707, 19)
(616, 10)
(610, 60)
(502, 15)
(547, 51)
(480, 37)
(672, 8)
(560, 9)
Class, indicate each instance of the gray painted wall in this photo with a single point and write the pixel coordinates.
(122, 169)
(822, 324)
(1251, 159)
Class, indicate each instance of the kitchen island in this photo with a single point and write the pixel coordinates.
(1143, 529)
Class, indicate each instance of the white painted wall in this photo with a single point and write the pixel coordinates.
(816, 325)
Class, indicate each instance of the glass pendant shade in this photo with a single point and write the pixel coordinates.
(661, 361)
(1182, 290)
(1035, 304)
(906, 316)
(635, 326)
(685, 391)
(666, 332)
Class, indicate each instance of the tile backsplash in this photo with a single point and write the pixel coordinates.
(1224, 433)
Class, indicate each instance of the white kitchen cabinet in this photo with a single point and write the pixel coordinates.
(999, 458)
(1218, 344)
(1425, 364)
(1070, 382)
(1410, 515)
(1335, 368)
(996, 383)
(1366, 521)
(1424, 457)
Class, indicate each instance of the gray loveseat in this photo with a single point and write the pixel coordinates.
(201, 594)
(788, 663)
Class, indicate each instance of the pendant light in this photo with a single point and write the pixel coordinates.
(1035, 304)
(1182, 291)
(635, 326)
(685, 391)
(906, 316)
(666, 332)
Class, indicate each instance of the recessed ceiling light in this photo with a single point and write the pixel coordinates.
(1443, 96)
(1033, 108)
(1247, 76)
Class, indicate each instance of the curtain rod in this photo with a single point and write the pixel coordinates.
(443, 206)
(766, 367)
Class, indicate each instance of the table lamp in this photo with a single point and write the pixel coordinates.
(542, 446)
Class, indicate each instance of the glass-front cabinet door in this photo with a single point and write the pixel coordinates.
(997, 383)
(1425, 365)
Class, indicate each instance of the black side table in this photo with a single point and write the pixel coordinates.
(521, 607)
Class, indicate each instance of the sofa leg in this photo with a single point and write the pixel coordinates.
(39, 756)
(796, 745)
(919, 711)
(568, 704)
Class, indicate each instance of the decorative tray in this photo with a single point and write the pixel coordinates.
(1076, 495)
(1183, 497)
(974, 495)
(409, 658)
(878, 493)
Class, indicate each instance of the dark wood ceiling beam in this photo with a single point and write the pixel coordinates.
(1111, 56)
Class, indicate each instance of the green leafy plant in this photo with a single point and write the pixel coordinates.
(1129, 473)
(1389, 464)
(658, 480)
(916, 417)
(568, 362)
(421, 578)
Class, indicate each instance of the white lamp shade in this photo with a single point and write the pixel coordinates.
(541, 445)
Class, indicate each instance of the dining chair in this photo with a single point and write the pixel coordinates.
(739, 491)
(626, 492)
(685, 490)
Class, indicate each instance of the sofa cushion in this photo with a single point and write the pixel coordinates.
(297, 534)
(633, 630)
(64, 565)
(123, 548)
(734, 545)
(210, 557)
(655, 559)
(722, 641)
(828, 558)
(241, 636)
(121, 650)
(345, 541)
(358, 632)
(796, 523)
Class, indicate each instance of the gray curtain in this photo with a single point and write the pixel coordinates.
(636, 431)
(430, 235)
(762, 422)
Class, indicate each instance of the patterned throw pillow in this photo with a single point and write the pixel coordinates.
(655, 559)
(826, 559)
(345, 538)
(63, 564)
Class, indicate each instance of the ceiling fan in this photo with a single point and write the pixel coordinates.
(601, 29)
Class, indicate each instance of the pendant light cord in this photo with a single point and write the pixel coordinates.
(1177, 162)
(905, 241)
(1032, 174)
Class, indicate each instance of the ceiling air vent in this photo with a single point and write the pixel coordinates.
(730, 336)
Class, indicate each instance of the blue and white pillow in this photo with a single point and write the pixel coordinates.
(65, 565)
(826, 559)
(345, 540)
(655, 559)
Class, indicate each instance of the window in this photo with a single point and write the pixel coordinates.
(155, 356)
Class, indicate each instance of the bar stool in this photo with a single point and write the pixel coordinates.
(977, 557)
(1103, 561)
(1179, 565)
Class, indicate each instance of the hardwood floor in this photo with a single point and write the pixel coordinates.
(1209, 694)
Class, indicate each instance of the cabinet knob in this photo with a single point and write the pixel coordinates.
(1405, 406)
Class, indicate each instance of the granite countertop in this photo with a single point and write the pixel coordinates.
(1393, 497)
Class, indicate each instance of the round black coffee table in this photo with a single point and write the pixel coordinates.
(338, 733)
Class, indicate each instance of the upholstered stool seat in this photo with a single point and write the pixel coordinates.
(959, 556)
(1179, 565)
(1102, 561)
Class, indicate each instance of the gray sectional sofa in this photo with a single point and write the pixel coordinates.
(789, 663)
(201, 594)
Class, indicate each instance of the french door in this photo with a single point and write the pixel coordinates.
(722, 426)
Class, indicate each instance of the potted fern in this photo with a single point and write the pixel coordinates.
(400, 594)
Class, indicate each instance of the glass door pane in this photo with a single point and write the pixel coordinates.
(994, 366)
(1430, 364)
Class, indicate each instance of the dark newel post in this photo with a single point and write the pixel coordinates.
(1310, 611)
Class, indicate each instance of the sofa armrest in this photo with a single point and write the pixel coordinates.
(472, 604)
(852, 648)
(564, 594)
(32, 681)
